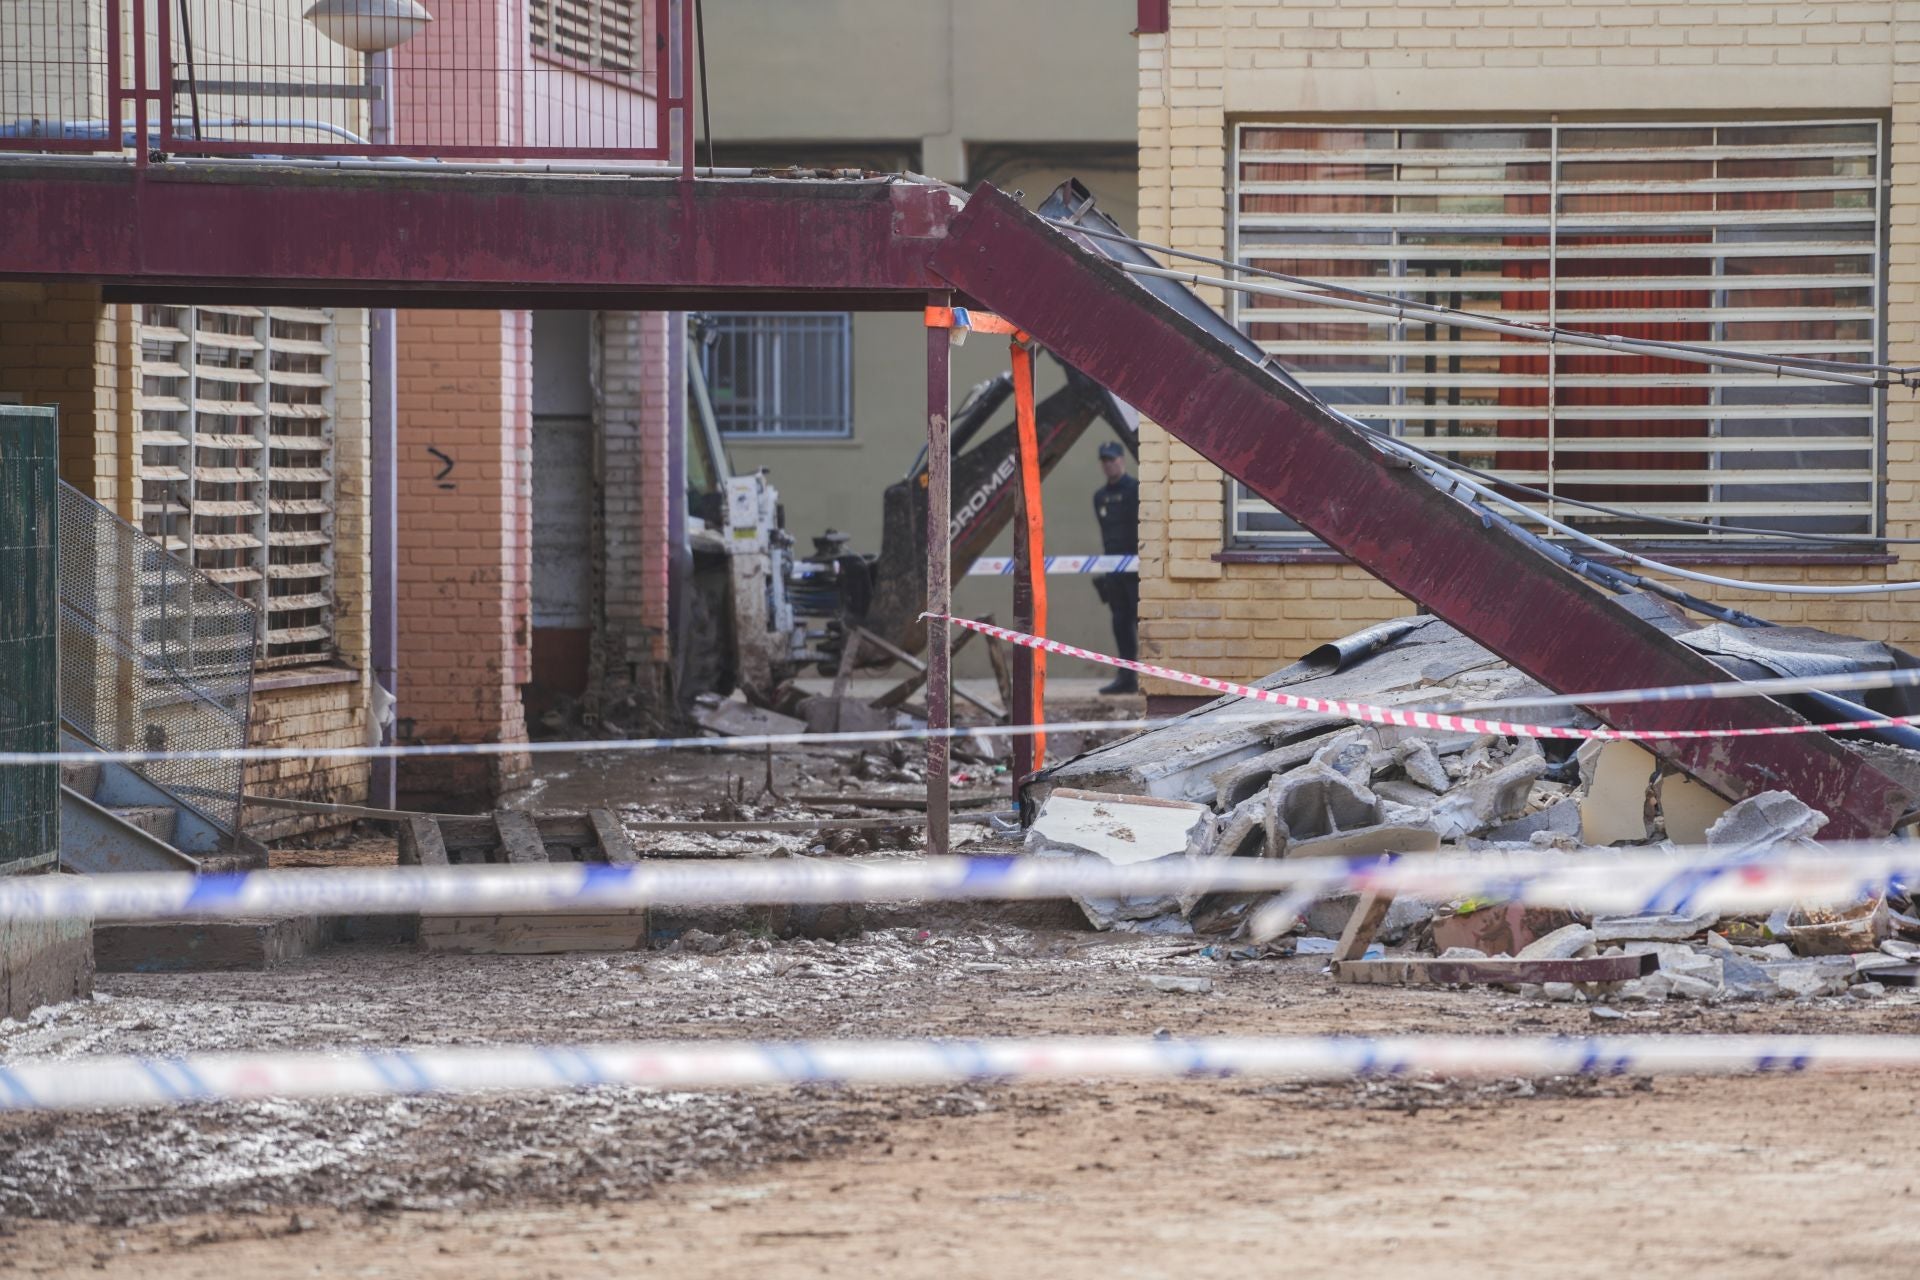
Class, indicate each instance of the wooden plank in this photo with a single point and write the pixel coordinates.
(1431, 970)
(420, 843)
(520, 837)
(901, 655)
(1368, 914)
(614, 845)
(905, 689)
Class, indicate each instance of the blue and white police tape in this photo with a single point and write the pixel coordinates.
(1002, 566)
(67, 1083)
(1623, 882)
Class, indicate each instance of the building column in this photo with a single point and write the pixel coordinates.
(465, 426)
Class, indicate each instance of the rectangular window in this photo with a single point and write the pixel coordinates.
(236, 470)
(781, 373)
(1757, 237)
(600, 34)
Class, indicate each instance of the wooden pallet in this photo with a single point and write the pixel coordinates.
(517, 838)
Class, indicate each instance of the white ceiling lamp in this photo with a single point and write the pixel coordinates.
(369, 26)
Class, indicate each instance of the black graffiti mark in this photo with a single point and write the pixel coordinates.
(445, 471)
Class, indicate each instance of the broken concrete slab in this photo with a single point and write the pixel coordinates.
(1671, 926)
(1558, 818)
(1419, 760)
(1563, 943)
(1319, 800)
(1124, 830)
(1243, 779)
(1763, 821)
(1821, 976)
(1475, 804)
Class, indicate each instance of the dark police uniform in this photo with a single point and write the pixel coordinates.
(1117, 505)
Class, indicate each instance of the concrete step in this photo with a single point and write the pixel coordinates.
(156, 820)
(84, 778)
(206, 945)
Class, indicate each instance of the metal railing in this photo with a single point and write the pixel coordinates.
(606, 80)
(154, 656)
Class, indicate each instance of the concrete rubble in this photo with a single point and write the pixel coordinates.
(1243, 779)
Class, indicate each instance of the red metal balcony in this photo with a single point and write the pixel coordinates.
(601, 80)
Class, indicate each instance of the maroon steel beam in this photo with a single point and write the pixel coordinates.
(939, 574)
(325, 233)
(1324, 474)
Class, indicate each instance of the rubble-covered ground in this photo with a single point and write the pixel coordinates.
(1432, 1177)
(1665, 1177)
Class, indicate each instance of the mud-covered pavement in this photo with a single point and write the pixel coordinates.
(137, 1188)
(1498, 1177)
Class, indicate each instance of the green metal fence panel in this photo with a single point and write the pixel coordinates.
(29, 635)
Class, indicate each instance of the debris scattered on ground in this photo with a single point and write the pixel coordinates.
(1236, 779)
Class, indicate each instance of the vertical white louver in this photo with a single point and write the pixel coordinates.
(236, 440)
(1759, 236)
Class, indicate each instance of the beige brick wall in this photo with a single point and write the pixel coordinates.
(61, 345)
(633, 382)
(1461, 59)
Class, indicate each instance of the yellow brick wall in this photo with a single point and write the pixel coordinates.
(1450, 60)
(61, 345)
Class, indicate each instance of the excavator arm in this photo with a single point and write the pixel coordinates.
(886, 593)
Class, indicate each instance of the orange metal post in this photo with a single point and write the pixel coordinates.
(1030, 568)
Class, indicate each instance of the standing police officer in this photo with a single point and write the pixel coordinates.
(1117, 505)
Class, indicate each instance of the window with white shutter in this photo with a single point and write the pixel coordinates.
(236, 469)
(1762, 237)
(601, 34)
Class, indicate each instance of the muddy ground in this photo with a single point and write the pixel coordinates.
(1493, 1178)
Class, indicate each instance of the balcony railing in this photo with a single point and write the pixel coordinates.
(602, 80)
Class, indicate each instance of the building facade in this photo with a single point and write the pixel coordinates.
(1017, 94)
(1729, 174)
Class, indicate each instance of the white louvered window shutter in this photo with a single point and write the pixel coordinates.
(1757, 236)
(236, 442)
(603, 35)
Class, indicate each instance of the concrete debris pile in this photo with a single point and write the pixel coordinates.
(1240, 779)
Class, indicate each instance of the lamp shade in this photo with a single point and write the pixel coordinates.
(369, 26)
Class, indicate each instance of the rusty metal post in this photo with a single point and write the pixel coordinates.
(939, 580)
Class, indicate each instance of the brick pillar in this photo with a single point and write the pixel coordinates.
(633, 384)
(465, 428)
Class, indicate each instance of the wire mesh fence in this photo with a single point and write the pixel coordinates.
(154, 655)
(29, 712)
(493, 79)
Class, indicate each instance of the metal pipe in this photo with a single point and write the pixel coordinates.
(384, 488)
(939, 574)
(1569, 337)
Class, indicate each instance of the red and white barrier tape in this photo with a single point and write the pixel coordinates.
(1406, 719)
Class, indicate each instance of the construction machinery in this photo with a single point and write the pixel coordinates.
(758, 614)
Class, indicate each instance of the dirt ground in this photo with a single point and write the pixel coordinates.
(1433, 1178)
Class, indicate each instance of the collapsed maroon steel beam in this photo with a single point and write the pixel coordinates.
(498, 239)
(1324, 474)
